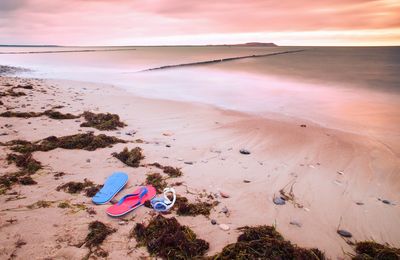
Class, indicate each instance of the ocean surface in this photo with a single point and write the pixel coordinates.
(349, 88)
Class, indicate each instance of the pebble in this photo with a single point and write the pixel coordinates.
(224, 195)
(344, 233)
(340, 172)
(168, 146)
(244, 151)
(386, 202)
(190, 163)
(359, 203)
(213, 221)
(224, 227)
(246, 181)
(131, 133)
(88, 160)
(279, 200)
(225, 210)
(303, 125)
(295, 223)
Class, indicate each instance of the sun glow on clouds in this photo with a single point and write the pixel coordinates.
(159, 22)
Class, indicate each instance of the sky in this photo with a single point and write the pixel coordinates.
(187, 22)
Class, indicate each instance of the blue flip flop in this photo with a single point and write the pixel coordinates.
(112, 186)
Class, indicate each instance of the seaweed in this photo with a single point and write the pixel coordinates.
(131, 158)
(167, 239)
(49, 113)
(87, 141)
(98, 232)
(64, 205)
(24, 161)
(27, 180)
(184, 208)
(172, 172)
(102, 121)
(372, 250)
(40, 204)
(264, 242)
(74, 187)
(156, 180)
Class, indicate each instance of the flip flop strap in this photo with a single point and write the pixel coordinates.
(141, 194)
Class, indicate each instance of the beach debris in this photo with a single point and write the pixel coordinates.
(213, 222)
(167, 133)
(131, 132)
(167, 239)
(25, 162)
(264, 242)
(278, 200)
(102, 121)
(344, 233)
(295, 223)
(27, 180)
(98, 232)
(244, 151)
(373, 250)
(40, 204)
(87, 141)
(289, 196)
(131, 158)
(303, 125)
(225, 210)
(64, 205)
(224, 227)
(185, 208)
(157, 181)
(224, 194)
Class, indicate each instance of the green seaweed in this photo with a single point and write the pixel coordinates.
(167, 239)
(264, 242)
(102, 121)
(131, 158)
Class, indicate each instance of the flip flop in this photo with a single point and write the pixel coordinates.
(112, 186)
(132, 201)
(163, 204)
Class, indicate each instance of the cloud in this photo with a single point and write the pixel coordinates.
(105, 21)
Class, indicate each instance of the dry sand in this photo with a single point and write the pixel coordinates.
(331, 171)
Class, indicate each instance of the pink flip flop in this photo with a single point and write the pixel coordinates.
(132, 201)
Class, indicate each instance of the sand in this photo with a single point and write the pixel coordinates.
(330, 172)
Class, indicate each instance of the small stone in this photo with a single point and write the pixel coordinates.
(295, 223)
(224, 195)
(224, 227)
(131, 133)
(121, 223)
(303, 125)
(279, 200)
(213, 221)
(225, 210)
(190, 163)
(386, 202)
(359, 203)
(168, 146)
(246, 181)
(344, 233)
(88, 160)
(340, 172)
(244, 151)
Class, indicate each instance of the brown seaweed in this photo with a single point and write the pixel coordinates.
(167, 239)
(157, 181)
(98, 232)
(74, 187)
(372, 250)
(131, 158)
(185, 208)
(102, 121)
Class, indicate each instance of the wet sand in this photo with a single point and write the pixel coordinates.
(331, 172)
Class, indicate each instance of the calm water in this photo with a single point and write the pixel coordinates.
(351, 88)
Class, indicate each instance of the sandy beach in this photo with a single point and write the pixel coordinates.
(339, 180)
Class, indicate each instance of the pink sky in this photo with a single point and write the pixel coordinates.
(158, 22)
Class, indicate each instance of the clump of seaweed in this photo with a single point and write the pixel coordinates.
(40, 204)
(184, 208)
(166, 238)
(50, 113)
(74, 187)
(63, 205)
(264, 242)
(24, 161)
(87, 141)
(172, 172)
(157, 181)
(98, 232)
(131, 158)
(12, 93)
(371, 250)
(27, 180)
(102, 121)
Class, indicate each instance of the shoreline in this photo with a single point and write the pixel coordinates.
(282, 152)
